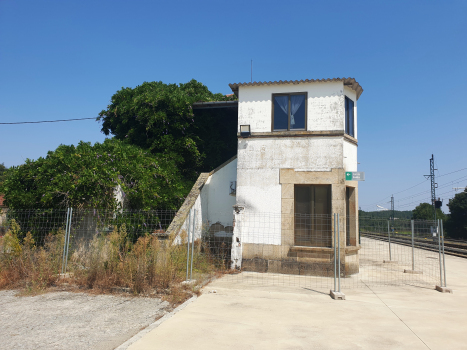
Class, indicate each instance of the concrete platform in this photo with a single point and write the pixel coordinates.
(252, 316)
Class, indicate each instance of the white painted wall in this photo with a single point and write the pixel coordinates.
(214, 204)
(260, 159)
(119, 196)
(216, 194)
(325, 105)
(193, 224)
(258, 183)
(350, 156)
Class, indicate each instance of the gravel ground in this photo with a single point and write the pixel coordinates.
(65, 320)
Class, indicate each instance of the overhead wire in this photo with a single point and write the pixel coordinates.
(367, 205)
(48, 121)
(423, 192)
(439, 187)
(428, 199)
(452, 172)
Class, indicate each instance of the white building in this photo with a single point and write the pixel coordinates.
(296, 140)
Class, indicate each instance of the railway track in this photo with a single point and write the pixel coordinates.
(451, 248)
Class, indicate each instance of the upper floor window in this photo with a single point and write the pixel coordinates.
(349, 117)
(289, 111)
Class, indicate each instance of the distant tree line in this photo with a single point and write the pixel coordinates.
(454, 223)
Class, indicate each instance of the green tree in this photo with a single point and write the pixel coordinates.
(159, 117)
(424, 211)
(87, 176)
(456, 226)
(3, 170)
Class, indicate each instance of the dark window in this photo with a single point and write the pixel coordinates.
(313, 215)
(349, 117)
(289, 111)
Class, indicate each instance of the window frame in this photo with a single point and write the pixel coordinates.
(305, 93)
(319, 227)
(347, 117)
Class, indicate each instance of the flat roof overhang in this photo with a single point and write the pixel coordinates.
(215, 104)
(350, 82)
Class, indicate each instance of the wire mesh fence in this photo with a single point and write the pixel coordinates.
(305, 250)
(311, 251)
(399, 252)
(95, 247)
(39, 222)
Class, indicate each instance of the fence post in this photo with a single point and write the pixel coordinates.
(441, 288)
(188, 244)
(193, 243)
(339, 251)
(439, 251)
(336, 293)
(444, 261)
(413, 258)
(335, 254)
(68, 240)
(389, 240)
(65, 238)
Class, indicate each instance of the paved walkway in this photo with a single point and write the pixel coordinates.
(247, 316)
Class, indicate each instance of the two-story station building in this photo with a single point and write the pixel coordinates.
(296, 141)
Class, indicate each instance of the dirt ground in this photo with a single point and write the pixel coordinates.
(66, 320)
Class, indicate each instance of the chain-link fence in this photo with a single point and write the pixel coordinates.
(134, 248)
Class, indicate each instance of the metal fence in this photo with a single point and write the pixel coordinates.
(77, 228)
(313, 251)
(301, 250)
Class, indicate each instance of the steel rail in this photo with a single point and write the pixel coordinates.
(459, 252)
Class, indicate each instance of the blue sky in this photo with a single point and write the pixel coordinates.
(65, 59)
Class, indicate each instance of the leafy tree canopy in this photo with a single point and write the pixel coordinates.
(424, 211)
(457, 224)
(87, 176)
(159, 117)
(3, 170)
(386, 214)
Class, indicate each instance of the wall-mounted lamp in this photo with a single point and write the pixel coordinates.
(245, 130)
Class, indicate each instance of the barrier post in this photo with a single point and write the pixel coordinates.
(193, 243)
(188, 244)
(65, 239)
(337, 294)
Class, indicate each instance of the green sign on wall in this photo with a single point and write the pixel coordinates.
(354, 176)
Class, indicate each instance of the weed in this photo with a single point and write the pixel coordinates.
(109, 261)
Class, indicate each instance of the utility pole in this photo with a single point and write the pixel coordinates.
(433, 184)
(392, 207)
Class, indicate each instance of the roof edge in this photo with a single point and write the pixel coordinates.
(223, 165)
(350, 82)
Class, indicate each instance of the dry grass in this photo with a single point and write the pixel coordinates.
(106, 264)
(23, 264)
